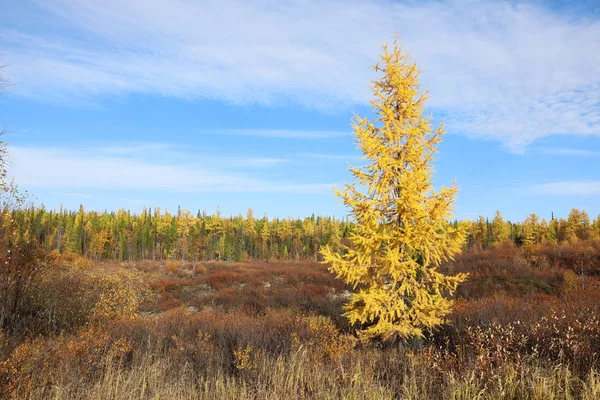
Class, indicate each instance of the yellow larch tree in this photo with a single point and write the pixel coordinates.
(402, 233)
(500, 230)
(531, 230)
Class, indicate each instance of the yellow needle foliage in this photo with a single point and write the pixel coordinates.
(402, 232)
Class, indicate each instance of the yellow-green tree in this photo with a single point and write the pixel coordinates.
(478, 233)
(596, 227)
(531, 230)
(500, 230)
(578, 225)
(402, 232)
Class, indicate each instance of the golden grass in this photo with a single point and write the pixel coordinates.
(274, 331)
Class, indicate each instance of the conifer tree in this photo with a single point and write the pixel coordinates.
(531, 230)
(578, 225)
(265, 235)
(500, 231)
(596, 227)
(402, 232)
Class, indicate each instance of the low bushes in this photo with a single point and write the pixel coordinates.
(524, 326)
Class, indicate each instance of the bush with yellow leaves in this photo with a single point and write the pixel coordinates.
(244, 358)
(172, 266)
(322, 341)
(70, 298)
(39, 361)
(74, 260)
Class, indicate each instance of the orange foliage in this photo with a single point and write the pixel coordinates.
(520, 308)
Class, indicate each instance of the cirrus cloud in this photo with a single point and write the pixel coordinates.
(513, 72)
(568, 188)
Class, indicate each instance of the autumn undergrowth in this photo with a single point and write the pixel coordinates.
(525, 326)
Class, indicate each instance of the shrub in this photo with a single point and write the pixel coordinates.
(570, 282)
(69, 298)
(77, 261)
(322, 341)
(244, 358)
(38, 361)
(172, 266)
(222, 278)
(23, 264)
(199, 269)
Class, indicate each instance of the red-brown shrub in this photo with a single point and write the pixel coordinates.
(222, 278)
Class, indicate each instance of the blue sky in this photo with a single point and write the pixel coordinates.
(233, 104)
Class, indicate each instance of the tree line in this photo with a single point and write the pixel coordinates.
(534, 230)
(155, 234)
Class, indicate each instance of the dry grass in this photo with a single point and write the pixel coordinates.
(526, 326)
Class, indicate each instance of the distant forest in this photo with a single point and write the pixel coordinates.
(160, 235)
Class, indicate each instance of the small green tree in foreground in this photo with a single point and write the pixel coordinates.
(402, 232)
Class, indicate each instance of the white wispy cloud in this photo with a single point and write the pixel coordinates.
(81, 169)
(568, 152)
(508, 71)
(568, 188)
(136, 148)
(281, 133)
(133, 202)
(71, 194)
(326, 156)
(260, 162)
(168, 153)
